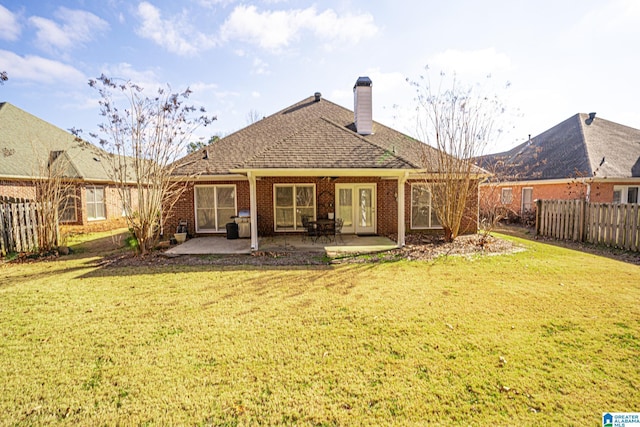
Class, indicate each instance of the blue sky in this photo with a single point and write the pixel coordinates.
(561, 57)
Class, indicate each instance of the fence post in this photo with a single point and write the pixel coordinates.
(3, 230)
(538, 216)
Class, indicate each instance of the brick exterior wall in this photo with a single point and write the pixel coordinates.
(601, 192)
(184, 209)
(17, 190)
(386, 203)
(27, 190)
(469, 223)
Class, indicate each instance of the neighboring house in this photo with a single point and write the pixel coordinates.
(313, 158)
(30, 147)
(584, 157)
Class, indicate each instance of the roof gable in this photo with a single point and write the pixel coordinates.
(576, 147)
(28, 144)
(327, 145)
(307, 135)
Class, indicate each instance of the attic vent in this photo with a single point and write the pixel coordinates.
(96, 159)
(53, 156)
(317, 96)
(205, 155)
(592, 117)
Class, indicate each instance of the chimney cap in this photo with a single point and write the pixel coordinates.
(317, 96)
(363, 81)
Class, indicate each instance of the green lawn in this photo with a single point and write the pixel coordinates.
(548, 336)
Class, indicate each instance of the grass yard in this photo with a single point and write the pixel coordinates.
(548, 336)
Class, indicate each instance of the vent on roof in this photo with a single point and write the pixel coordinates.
(317, 96)
(592, 117)
(363, 112)
(53, 156)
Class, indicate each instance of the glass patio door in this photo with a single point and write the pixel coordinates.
(356, 205)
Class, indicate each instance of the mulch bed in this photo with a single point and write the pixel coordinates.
(417, 248)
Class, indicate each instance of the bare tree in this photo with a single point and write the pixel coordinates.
(56, 195)
(253, 116)
(458, 121)
(192, 147)
(146, 135)
(492, 208)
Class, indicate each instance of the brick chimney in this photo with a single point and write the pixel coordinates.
(362, 109)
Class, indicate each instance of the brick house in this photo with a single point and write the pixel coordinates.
(30, 146)
(313, 158)
(584, 157)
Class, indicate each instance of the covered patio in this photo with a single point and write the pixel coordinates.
(219, 245)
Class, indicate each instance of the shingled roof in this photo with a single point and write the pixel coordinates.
(307, 135)
(581, 146)
(27, 142)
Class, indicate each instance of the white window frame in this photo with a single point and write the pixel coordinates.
(522, 207)
(294, 186)
(624, 193)
(93, 202)
(70, 196)
(503, 198)
(430, 214)
(217, 228)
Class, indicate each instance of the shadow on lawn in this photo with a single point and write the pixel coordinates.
(599, 250)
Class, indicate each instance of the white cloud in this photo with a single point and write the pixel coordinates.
(9, 24)
(260, 67)
(146, 79)
(176, 34)
(471, 62)
(38, 69)
(613, 17)
(278, 29)
(213, 3)
(77, 27)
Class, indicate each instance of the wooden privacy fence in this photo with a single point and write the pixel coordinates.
(18, 227)
(610, 224)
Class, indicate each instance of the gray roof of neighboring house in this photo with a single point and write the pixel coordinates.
(29, 144)
(577, 147)
(307, 135)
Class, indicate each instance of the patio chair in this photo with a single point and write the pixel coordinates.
(338, 230)
(309, 229)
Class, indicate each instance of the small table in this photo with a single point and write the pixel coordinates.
(325, 229)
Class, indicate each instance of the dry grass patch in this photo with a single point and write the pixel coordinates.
(546, 336)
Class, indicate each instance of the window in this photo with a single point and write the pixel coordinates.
(625, 194)
(617, 196)
(215, 205)
(422, 213)
(126, 200)
(96, 208)
(527, 199)
(507, 196)
(67, 210)
(292, 201)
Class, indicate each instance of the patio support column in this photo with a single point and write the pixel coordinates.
(401, 181)
(253, 206)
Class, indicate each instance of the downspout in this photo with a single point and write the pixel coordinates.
(588, 196)
(253, 206)
(401, 230)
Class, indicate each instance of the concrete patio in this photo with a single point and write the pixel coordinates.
(219, 245)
